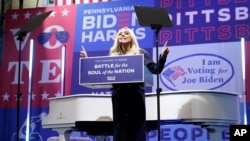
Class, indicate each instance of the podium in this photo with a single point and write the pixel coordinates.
(103, 71)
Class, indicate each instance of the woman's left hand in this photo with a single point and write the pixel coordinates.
(165, 50)
(83, 52)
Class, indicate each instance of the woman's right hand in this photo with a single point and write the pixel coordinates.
(83, 52)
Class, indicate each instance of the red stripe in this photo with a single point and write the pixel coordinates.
(57, 2)
(124, 19)
(123, 14)
(63, 2)
(122, 25)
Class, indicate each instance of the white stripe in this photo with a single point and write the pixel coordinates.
(77, 1)
(31, 58)
(69, 2)
(63, 70)
(59, 2)
(95, 1)
(86, 1)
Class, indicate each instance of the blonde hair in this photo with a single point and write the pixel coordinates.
(116, 49)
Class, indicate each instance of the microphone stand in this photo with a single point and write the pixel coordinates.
(157, 28)
(31, 25)
(156, 18)
(19, 93)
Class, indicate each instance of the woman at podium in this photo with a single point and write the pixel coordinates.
(128, 99)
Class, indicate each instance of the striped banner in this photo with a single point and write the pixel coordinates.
(69, 2)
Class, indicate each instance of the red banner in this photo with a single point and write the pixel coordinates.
(56, 31)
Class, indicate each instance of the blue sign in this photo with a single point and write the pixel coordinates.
(111, 69)
(97, 24)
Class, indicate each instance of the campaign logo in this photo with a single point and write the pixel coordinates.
(58, 32)
(97, 25)
(33, 130)
(202, 70)
(104, 26)
(111, 78)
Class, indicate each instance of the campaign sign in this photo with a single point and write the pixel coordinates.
(102, 72)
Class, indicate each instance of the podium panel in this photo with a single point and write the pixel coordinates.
(103, 71)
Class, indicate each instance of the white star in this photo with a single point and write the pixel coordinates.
(52, 14)
(45, 96)
(6, 97)
(14, 16)
(65, 12)
(27, 15)
(58, 94)
(33, 96)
